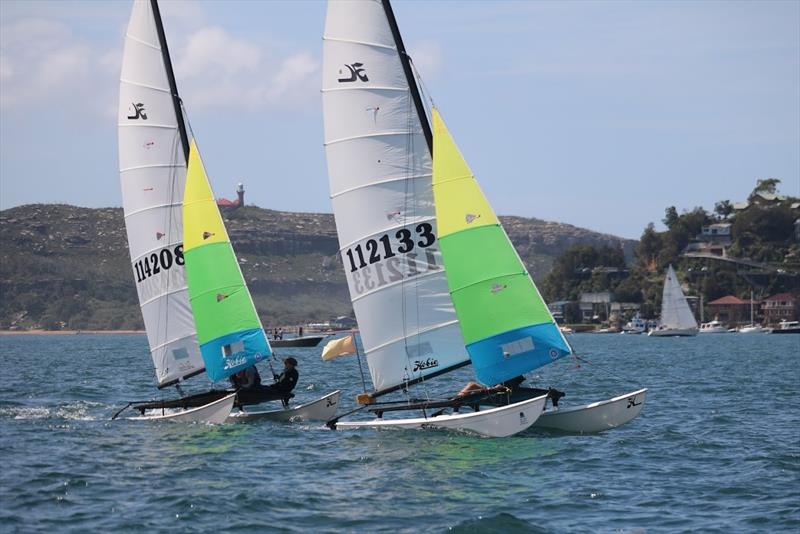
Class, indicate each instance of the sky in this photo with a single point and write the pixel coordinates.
(593, 113)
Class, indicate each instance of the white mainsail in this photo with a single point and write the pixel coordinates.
(675, 311)
(152, 164)
(380, 173)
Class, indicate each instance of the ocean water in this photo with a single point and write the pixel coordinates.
(716, 449)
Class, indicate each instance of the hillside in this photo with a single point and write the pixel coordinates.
(68, 267)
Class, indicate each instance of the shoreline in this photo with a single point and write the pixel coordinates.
(66, 332)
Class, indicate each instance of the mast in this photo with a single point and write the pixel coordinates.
(173, 87)
(412, 82)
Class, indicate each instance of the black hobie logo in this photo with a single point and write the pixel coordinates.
(356, 72)
(421, 365)
(138, 112)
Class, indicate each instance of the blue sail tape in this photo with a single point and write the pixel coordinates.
(244, 348)
(504, 356)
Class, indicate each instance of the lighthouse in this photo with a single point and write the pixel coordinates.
(240, 193)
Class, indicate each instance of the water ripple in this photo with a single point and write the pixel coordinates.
(716, 449)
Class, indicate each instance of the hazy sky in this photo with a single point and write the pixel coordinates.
(598, 114)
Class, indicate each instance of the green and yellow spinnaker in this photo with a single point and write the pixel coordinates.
(229, 331)
(506, 325)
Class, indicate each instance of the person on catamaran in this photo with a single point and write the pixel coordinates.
(287, 380)
(474, 387)
(246, 378)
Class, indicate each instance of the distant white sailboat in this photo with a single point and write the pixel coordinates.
(676, 317)
(752, 328)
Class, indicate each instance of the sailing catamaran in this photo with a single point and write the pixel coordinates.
(434, 280)
(198, 314)
(676, 316)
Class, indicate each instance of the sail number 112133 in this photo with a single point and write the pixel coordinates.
(375, 250)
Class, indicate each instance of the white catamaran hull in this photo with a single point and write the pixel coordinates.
(322, 409)
(594, 417)
(673, 332)
(214, 412)
(495, 422)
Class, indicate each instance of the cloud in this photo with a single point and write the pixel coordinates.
(44, 64)
(217, 70)
(61, 64)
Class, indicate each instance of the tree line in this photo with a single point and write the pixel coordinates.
(764, 231)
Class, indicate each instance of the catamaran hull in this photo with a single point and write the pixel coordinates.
(307, 341)
(322, 409)
(214, 412)
(496, 422)
(674, 332)
(594, 417)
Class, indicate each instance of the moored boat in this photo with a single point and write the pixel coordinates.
(713, 327)
(787, 327)
(752, 328)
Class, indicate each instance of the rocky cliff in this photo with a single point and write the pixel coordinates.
(68, 267)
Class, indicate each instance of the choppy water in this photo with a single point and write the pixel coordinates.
(717, 448)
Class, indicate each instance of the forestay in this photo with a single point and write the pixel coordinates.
(506, 325)
(228, 328)
(152, 161)
(379, 165)
(675, 311)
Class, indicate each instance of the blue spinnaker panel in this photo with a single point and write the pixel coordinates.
(514, 353)
(231, 353)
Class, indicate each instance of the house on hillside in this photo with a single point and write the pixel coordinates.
(733, 310)
(762, 198)
(712, 239)
(595, 306)
(782, 306)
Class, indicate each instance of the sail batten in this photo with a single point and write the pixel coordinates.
(146, 86)
(367, 136)
(411, 336)
(364, 43)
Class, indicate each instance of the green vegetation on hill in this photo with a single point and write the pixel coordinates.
(68, 267)
(763, 231)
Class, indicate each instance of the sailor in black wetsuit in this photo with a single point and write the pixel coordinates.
(287, 380)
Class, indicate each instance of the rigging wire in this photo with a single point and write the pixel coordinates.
(420, 83)
(600, 367)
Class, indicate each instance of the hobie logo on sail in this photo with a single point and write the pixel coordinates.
(138, 112)
(420, 365)
(356, 72)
